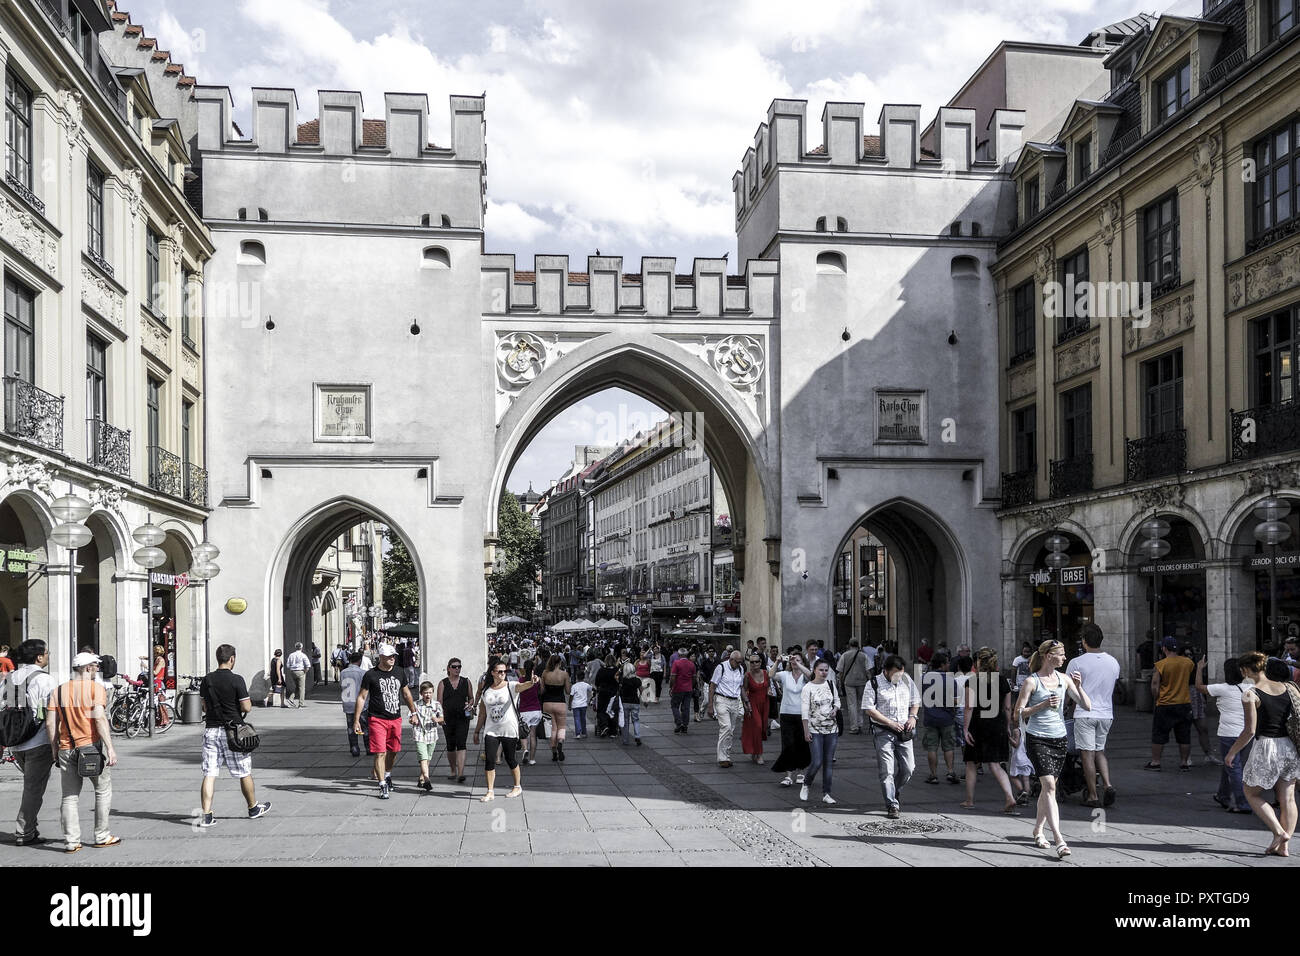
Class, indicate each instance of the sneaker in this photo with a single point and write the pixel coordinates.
(32, 840)
(1108, 798)
(259, 810)
(208, 820)
(891, 813)
(803, 792)
(1211, 759)
(428, 786)
(638, 741)
(798, 778)
(829, 800)
(383, 791)
(787, 781)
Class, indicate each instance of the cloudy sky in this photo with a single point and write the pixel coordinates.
(611, 125)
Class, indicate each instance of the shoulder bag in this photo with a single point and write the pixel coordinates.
(1293, 718)
(89, 759)
(242, 737)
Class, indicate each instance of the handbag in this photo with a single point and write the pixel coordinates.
(90, 760)
(241, 737)
(1293, 718)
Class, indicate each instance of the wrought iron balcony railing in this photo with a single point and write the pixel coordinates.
(1018, 487)
(23, 190)
(1166, 286)
(108, 447)
(1156, 455)
(1265, 430)
(165, 472)
(1070, 476)
(104, 265)
(196, 485)
(1276, 234)
(33, 414)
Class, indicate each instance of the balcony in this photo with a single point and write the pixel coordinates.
(1279, 232)
(1073, 327)
(165, 472)
(1018, 487)
(1070, 476)
(1276, 428)
(109, 448)
(1156, 456)
(21, 188)
(102, 264)
(33, 415)
(56, 17)
(1166, 286)
(196, 485)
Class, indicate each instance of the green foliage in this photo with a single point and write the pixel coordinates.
(401, 588)
(519, 558)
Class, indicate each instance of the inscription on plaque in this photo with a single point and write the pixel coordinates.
(342, 412)
(900, 416)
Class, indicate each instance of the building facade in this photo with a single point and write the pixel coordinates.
(103, 260)
(1148, 306)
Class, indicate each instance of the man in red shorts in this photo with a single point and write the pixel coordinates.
(385, 687)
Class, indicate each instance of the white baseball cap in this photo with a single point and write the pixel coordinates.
(387, 650)
(84, 658)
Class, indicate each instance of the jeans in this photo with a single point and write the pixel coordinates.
(348, 711)
(729, 713)
(823, 758)
(895, 764)
(631, 721)
(853, 698)
(36, 765)
(580, 721)
(1230, 777)
(298, 685)
(71, 782)
(681, 704)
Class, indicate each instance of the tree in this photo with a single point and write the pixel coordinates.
(401, 587)
(519, 557)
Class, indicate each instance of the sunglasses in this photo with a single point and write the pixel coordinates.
(453, 666)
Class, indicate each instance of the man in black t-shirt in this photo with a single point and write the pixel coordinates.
(225, 702)
(385, 689)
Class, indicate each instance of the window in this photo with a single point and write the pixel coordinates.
(152, 411)
(96, 378)
(1031, 196)
(94, 210)
(20, 332)
(1277, 164)
(1281, 17)
(1275, 357)
(1083, 159)
(1074, 275)
(153, 273)
(1022, 322)
(18, 129)
(1024, 426)
(1162, 383)
(1173, 91)
(1076, 422)
(189, 308)
(187, 420)
(1160, 240)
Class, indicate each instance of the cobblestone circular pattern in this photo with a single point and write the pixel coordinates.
(905, 827)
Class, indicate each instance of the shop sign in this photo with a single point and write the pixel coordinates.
(1172, 567)
(178, 581)
(1039, 577)
(1074, 575)
(842, 607)
(1287, 559)
(18, 559)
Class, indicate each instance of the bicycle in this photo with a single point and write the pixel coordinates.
(130, 713)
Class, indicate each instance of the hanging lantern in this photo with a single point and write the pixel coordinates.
(150, 557)
(1155, 528)
(1272, 509)
(1057, 542)
(205, 553)
(149, 535)
(1272, 532)
(71, 535)
(70, 509)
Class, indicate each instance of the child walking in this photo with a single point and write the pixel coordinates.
(425, 721)
(581, 692)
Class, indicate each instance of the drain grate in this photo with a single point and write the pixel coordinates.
(893, 828)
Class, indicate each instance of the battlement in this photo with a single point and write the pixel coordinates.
(782, 140)
(605, 289)
(340, 127)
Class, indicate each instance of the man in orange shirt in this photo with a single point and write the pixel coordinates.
(1173, 710)
(76, 718)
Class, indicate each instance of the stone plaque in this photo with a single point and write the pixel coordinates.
(343, 413)
(900, 416)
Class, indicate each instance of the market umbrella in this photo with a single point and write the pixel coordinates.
(510, 619)
(613, 625)
(403, 630)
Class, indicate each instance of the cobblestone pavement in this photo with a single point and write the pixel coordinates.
(666, 803)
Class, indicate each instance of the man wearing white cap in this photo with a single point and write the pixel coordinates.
(385, 689)
(75, 720)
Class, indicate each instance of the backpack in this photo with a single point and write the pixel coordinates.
(18, 723)
(107, 666)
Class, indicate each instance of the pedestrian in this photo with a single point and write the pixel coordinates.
(498, 714)
(795, 753)
(724, 703)
(1199, 722)
(580, 698)
(1228, 696)
(1042, 700)
(1173, 710)
(224, 697)
(853, 673)
(1021, 665)
(818, 702)
(925, 652)
(754, 694)
(530, 707)
(681, 683)
(657, 668)
(383, 692)
(457, 700)
(297, 666)
(630, 690)
(606, 691)
(6, 660)
(424, 725)
(1092, 726)
(349, 686)
(939, 704)
(892, 701)
(315, 664)
(1273, 764)
(338, 661)
(75, 720)
(988, 727)
(29, 686)
(555, 696)
(961, 674)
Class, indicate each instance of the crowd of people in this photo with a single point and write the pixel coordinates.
(1038, 729)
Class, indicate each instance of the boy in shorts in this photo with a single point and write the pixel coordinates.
(424, 722)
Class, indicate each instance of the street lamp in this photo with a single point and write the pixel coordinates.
(71, 534)
(1154, 547)
(1272, 531)
(149, 556)
(1057, 544)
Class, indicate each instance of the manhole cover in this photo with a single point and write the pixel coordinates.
(904, 827)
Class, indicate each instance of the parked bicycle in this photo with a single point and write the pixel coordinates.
(129, 713)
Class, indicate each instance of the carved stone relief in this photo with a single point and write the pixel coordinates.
(1170, 318)
(100, 295)
(1275, 272)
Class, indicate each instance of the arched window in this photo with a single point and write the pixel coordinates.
(841, 224)
(975, 229)
(435, 257)
(965, 267)
(821, 224)
(252, 253)
(831, 263)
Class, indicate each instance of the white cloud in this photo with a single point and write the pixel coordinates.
(510, 221)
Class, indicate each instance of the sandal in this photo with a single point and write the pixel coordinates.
(1012, 809)
(515, 791)
(1062, 851)
(1040, 841)
(932, 779)
(966, 806)
(111, 841)
(487, 796)
(1152, 766)
(74, 849)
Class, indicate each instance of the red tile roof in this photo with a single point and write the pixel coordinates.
(374, 132)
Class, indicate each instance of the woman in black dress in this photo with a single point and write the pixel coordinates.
(606, 688)
(456, 699)
(989, 729)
